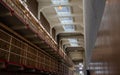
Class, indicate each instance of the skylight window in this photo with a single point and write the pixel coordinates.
(59, 1)
(66, 20)
(69, 28)
(73, 42)
(63, 11)
(81, 72)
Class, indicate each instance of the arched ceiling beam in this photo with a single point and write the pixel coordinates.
(74, 23)
(43, 4)
(68, 44)
(42, 7)
(72, 15)
(70, 49)
(67, 24)
(75, 32)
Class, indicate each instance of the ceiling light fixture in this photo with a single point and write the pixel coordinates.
(60, 7)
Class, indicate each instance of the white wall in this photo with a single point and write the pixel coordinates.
(93, 11)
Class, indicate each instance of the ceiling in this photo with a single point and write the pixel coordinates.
(66, 17)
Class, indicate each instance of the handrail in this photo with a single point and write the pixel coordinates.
(38, 22)
(30, 17)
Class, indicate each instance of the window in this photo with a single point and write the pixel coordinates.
(69, 28)
(73, 42)
(59, 1)
(66, 20)
(63, 11)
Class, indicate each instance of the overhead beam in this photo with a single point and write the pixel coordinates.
(68, 45)
(74, 48)
(42, 6)
(59, 24)
(78, 38)
(78, 61)
(74, 23)
(67, 24)
(72, 15)
(56, 5)
(79, 44)
(67, 35)
(75, 32)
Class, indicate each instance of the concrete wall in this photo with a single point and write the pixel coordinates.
(106, 53)
(93, 11)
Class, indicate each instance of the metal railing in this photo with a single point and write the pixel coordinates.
(34, 24)
(14, 50)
